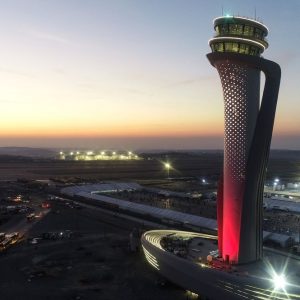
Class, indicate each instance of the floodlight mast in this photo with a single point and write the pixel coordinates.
(236, 50)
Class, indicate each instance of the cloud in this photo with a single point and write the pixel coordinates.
(59, 71)
(95, 87)
(11, 101)
(47, 36)
(16, 72)
(86, 85)
(135, 91)
(189, 81)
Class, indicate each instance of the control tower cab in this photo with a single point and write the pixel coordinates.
(239, 35)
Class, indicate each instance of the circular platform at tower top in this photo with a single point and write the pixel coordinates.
(239, 35)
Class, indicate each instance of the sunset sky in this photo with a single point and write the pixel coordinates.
(130, 73)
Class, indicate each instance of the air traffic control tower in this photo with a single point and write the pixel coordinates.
(236, 54)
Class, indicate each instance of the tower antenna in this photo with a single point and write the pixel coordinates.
(255, 13)
(222, 11)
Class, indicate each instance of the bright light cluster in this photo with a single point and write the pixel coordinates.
(97, 155)
(167, 165)
(279, 282)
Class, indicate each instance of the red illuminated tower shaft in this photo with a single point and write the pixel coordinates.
(241, 98)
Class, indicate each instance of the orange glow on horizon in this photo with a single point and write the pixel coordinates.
(214, 128)
(117, 134)
(118, 130)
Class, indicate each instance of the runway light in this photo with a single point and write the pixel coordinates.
(279, 282)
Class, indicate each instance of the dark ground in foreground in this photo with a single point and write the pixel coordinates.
(94, 264)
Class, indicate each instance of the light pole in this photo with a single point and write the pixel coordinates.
(275, 183)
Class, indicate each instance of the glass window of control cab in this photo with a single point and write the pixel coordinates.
(224, 29)
(228, 47)
(244, 49)
(235, 29)
(215, 47)
(235, 47)
(239, 29)
(219, 47)
(248, 30)
(253, 50)
(258, 33)
(232, 28)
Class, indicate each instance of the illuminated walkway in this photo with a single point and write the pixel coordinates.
(276, 277)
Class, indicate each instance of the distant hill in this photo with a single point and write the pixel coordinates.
(28, 152)
(158, 154)
(4, 158)
(284, 154)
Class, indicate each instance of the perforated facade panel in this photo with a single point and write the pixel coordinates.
(241, 101)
